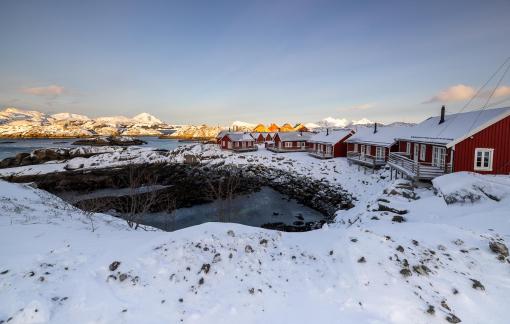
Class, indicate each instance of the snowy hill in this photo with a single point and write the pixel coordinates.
(443, 261)
(69, 116)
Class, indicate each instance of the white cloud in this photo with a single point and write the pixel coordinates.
(50, 91)
(462, 92)
(454, 93)
(502, 91)
(364, 106)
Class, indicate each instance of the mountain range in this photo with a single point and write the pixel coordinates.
(16, 122)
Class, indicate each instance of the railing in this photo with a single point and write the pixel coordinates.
(365, 159)
(277, 149)
(320, 154)
(245, 148)
(415, 169)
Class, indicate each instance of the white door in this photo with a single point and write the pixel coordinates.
(362, 150)
(438, 156)
(416, 151)
(229, 145)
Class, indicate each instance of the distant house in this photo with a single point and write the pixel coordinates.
(329, 144)
(371, 146)
(289, 142)
(220, 135)
(475, 141)
(259, 137)
(238, 142)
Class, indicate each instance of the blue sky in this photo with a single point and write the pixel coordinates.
(257, 61)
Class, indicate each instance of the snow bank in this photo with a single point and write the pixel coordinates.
(470, 187)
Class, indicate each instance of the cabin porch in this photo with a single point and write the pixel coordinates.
(365, 159)
(400, 162)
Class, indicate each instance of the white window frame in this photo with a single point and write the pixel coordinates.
(355, 147)
(408, 148)
(303, 144)
(380, 152)
(362, 149)
(423, 152)
(484, 151)
(439, 156)
(288, 144)
(368, 149)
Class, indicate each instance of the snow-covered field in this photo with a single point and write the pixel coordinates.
(402, 255)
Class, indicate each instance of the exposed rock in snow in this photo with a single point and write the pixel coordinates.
(462, 187)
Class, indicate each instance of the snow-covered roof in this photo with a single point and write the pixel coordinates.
(330, 137)
(237, 137)
(456, 127)
(222, 133)
(294, 136)
(385, 135)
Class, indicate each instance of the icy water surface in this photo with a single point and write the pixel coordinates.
(10, 147)
(255, 209)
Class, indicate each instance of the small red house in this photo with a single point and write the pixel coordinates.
(329, 144)
(259, 137)
(289, 142)
(475, 141)
(371, 146)
(238, 142)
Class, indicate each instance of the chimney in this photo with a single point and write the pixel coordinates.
(375, 128)
(229, 129)
(442, 115)
(327, 131)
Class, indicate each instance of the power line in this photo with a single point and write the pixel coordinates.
(477, 93)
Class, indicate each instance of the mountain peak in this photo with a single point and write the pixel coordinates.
(147, 119)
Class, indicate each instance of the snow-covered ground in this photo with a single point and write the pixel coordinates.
(373, 265)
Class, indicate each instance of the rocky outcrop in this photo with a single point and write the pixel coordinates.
(110, 141)
(193, 184)
(47, 154)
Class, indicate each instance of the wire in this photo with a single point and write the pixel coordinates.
(476, 94)
(490, 96)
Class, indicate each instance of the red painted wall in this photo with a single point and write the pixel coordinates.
(497, 137)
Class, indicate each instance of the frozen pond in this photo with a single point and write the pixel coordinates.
(266, 206)
(10, 146)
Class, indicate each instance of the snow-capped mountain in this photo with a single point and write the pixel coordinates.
(69, 116)
(242, 126)
(145, 118)
(23, 123)
(14, 114)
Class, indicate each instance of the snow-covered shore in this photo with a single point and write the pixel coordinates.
(58, 264)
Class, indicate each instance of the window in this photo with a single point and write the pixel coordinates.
(483, 159)
(380, 152)
(408, 148)
(438, 156)
(288, 144)
(303, 144)
(423, 150)
(355, 147)
(368, 150)
(362, 150)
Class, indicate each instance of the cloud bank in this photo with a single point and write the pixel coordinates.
(51, 90)
(463, 92)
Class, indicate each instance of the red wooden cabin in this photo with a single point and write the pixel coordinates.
(289, 142)
(238, 142)
(476, 141)
(329, 144)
